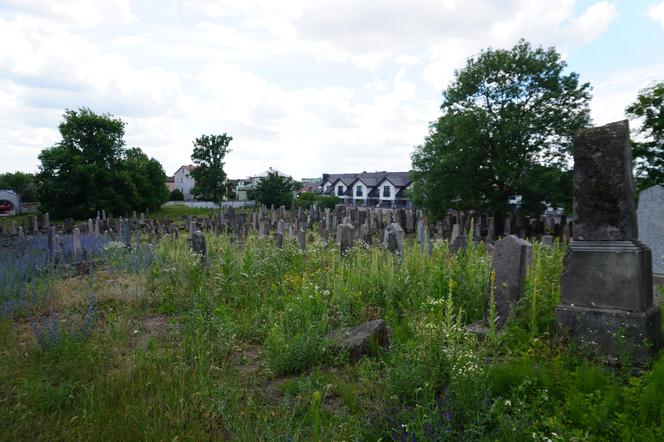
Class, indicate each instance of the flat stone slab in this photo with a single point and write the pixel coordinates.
(361, 340)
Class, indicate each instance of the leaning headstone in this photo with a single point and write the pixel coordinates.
(651, 224)
(512, 257)
(547, 240)
(606, 285)
(455, 233)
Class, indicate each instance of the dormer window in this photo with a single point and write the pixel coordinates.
(340, 190)
(386, 191)
(359, 191)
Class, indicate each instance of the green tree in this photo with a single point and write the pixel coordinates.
(306, 199)
(648, 154)
(507, 124)
(176, 195)
(144, 180)
(89, 169)
(208, 156)
(275, 190)
(20, 182)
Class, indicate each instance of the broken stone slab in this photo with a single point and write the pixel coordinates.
(361, 340)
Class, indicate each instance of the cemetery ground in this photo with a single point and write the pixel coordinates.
(153, 344)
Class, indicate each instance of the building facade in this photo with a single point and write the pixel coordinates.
(185, 182)
(382, 189)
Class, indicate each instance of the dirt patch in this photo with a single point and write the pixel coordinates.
(153, 327)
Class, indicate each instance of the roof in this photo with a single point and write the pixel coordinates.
(170, 179)
(370, 179)
(188, 167)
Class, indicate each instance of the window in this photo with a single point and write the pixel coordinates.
(386, 191)
(358, 191)
(340, 190)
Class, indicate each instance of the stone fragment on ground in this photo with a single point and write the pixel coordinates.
(361, 340)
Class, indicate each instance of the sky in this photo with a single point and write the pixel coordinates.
(306, 87)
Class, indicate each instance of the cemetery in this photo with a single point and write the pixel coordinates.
(352, 323)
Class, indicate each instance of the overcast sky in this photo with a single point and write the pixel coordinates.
(302, 86)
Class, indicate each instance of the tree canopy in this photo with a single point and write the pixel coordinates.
(648, 151)
(507, 124)
(20, 182)
(208, 156)
(275, 189)
(90, 169)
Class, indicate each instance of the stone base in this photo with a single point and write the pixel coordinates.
(604, 329)
(608, 274)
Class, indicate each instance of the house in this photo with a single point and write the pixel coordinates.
(246, 186)
(170, 183)
(184, 181)
(384, 189)
(309, 185)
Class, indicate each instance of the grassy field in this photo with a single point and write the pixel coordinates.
(235, 350)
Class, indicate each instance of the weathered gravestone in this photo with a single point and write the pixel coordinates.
(345, 232)
(198, 246)
(651, 224)
(459, 243)
(547, 240)
(361, 340)
(395, 235)
(512, 257)
(606, 286)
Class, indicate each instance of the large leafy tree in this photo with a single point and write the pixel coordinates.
(507, 123)
(648, 150)
(275, 189)
(208, 156)
(90, 169)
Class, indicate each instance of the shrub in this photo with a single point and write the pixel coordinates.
(176, 195)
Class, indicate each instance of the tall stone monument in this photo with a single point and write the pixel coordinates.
(606, 285)
(651, 224)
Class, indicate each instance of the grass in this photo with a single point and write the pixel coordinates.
(235, 350)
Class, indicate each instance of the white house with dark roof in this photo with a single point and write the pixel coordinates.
(184, 181)
(385, 189)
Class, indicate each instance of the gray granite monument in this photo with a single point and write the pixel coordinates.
(606, 285)
(651, 224)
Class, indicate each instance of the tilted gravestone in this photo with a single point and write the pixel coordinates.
(651, 224)
(606, 286)
(547, 240)
(512, 257)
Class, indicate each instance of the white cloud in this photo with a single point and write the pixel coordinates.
(656, 13)
(612, 93)
(84, 13)
(306, 87)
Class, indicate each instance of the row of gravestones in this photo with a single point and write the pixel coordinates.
(607, 297)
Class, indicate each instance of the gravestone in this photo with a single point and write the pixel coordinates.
(651, 224)
(512, 257)
(279, 235)
(302, 239)
(395, 236)
(459, 243)
(606, 285)
(198, 246)
(455, 233)
(547, 240)
(365, 234)
(346, 237)
(76, 239)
